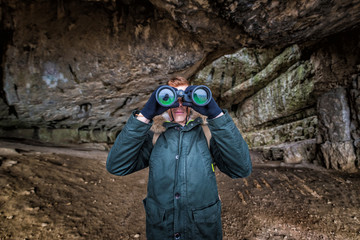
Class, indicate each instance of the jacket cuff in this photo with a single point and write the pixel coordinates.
(136, 124)
(221, 121)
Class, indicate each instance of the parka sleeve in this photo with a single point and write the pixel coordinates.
(229, 149)
(132, 148)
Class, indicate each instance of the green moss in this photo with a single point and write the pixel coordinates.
(98, 136)
(27, 133)
(84, 136)
(59, 135)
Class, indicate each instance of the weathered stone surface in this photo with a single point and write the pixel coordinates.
(304, 151)
(355, 116)
(73, 71)
(287, 94)
(339, 155)
(245, 89)
(90, 66)
(334, 138)
(8, 151)
(325, 74)
(61, 136)
(89, 63)
(354, 102)
(335, 61)
(291, 152)
(290, 132)
(264, 23)
(334, 116)
(233, 69)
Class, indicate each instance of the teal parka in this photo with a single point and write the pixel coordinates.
(182, 198)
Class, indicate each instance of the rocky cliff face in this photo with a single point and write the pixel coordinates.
(298, 105)
(72, 71)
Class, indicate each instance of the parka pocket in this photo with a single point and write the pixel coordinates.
(207, 222)
(207, 160)
(158, 221)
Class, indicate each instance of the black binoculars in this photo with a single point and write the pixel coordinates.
(167, 96)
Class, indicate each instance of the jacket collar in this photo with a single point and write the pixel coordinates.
(162, 122)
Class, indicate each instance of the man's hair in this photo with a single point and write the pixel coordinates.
(178, 81)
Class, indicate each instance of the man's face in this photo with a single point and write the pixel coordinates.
(179, 113)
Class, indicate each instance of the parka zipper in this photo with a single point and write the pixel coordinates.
(178, 219)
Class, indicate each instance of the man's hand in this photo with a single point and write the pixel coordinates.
(152, 108)
(211, 110)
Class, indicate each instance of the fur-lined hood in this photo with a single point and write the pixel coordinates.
(159, 120)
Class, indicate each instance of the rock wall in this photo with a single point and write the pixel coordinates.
(298, 105)
(337, 67)
(72, 71)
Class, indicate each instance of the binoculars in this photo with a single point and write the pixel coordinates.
(167, 96)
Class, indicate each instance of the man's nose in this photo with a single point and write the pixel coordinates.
(180, 102)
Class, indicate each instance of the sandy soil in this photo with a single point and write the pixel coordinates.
(65, 193)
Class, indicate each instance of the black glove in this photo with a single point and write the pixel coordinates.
(211, 110)
(152, 108)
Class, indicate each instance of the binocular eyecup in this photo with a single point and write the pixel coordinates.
(167, 96)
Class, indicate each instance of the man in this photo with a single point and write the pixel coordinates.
(182, 200)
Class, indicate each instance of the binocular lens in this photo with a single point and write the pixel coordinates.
(166, 97)
(201, 96)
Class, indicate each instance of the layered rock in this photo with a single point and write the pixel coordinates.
(72, 71)
(301, 106)
(84, 66)
(274, 108)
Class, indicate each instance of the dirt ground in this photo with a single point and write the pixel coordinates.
(51, 192)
